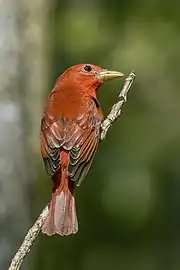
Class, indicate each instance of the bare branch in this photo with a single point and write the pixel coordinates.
(117, 107)
(28, 241)
(106, 124)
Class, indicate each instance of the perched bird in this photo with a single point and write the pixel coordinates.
(70, 134)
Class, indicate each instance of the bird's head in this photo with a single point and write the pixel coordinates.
(89, 76)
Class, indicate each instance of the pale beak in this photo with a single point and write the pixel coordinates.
(107, 75)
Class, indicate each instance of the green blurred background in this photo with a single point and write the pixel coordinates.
(129, 205)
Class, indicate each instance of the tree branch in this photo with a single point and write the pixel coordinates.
(106, 124)
(117, 107)
(28, 241)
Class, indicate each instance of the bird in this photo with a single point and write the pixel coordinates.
(69, 137)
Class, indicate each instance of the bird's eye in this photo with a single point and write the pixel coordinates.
(88, 68)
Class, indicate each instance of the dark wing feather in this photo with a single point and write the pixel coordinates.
(79, 136)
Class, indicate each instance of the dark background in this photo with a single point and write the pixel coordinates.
(129, 205)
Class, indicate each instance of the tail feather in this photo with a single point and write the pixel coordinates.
(65, 219)
(62, 217)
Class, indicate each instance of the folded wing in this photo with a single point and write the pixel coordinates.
(79, 136)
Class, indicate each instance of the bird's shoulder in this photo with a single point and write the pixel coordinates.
(64, 109)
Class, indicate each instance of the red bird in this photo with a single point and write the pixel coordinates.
(70, 134)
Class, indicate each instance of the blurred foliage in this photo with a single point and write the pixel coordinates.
(129, 205)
